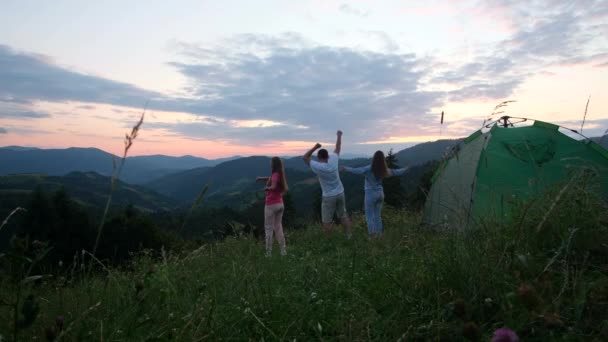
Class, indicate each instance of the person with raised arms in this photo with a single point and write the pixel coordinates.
(333, 201)
(374, 192)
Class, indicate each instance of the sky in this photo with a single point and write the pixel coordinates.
(224, 78)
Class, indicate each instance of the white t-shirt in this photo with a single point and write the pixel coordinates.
(329, 175)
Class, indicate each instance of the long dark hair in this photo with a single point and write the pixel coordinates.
(379, 167)
(276, 164)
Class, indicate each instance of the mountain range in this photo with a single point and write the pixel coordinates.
(146, 169)
(165, 182)
(58, 162)
(162, 182)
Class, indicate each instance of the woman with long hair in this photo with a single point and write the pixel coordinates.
(374, 192)
(276, 185)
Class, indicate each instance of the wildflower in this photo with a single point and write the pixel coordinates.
(313, 295)
(505, 335)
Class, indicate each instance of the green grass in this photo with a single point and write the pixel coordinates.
(411, 284)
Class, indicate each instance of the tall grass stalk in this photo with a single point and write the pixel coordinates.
(196, 202)
(129, 139)
(585, 114)
(16, 210)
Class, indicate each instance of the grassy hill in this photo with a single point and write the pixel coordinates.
(411, 284)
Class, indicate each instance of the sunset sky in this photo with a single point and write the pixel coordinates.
(223, 78)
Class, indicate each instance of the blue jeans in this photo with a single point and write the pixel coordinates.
(373, 210)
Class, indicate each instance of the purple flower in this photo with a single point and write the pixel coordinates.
(505, 335)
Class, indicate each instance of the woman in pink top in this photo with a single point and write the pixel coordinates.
(276, 185)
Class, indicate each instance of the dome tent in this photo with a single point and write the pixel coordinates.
(489, 172)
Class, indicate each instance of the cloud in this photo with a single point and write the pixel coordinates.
(592, 127)
(3, 131)
(25, 130)
(320, 87)
(602, 65)
(494, 90)
(350, 10)
(555, 33)
(18, 114)
(30, 77)
(552, 31)
(86, 107)
(387, 44)
(311, 90)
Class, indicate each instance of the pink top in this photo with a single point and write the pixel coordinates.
(275, 196)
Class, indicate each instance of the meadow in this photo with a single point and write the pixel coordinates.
(544, 275)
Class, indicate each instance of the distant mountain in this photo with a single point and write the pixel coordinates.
(20, 148)
(231, 180)
(425, 152)
(88, 188)
(233, 184)
(160, 161)
(54, 162)
(57, 162)
(230, 176)
(602, 141)
(411, 156)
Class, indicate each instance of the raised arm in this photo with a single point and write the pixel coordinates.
(398, 172)
(309, 153)
(338, 143)
(356, 170)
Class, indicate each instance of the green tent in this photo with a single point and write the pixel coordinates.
(488, 173)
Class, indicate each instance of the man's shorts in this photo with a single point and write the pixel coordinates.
(333, 204)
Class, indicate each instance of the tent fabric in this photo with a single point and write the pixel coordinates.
(489, 173)
(453, 185)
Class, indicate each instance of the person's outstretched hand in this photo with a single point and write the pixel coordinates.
(317, 146)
